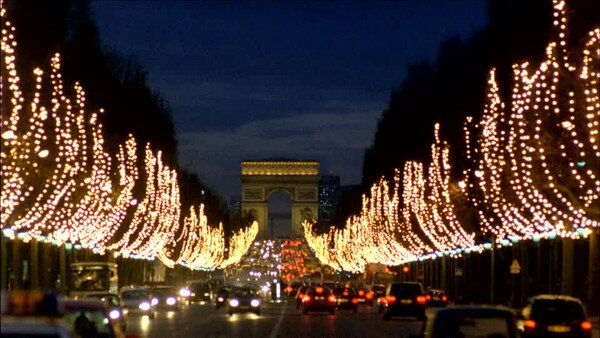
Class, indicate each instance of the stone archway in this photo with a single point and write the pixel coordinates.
(300, 179)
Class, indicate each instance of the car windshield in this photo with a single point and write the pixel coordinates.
(224, 290)
(199, 287)
(408, 289)
(164, 292)
(472, 326)
(556, 310)
(135, 294)
(378, 288)
(319, 292)
(343, 292)
(243, 292)
(109, 300)
(88, 323)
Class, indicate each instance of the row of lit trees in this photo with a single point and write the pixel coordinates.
(60, 185)
(537, 172)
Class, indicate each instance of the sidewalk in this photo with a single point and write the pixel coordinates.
(595, 326)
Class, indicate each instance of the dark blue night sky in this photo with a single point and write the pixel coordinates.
(305, 80)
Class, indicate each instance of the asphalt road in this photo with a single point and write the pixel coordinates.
(276, 320)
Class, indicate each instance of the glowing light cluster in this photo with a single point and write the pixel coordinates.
(204, 246)
(540, 156)
(383, 232)
(60, 185)
(239, 244)
(538, 172)
(293, 259)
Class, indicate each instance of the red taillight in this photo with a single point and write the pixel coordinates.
(361, 293)
(390, 299)
(332, 299)
(530, 324)
(586, 325)
(345, 293)
(319, 289)
(370, 295)
(428, 297)
(444, 298)
(354, 300)
(306, 298)
(421, 299)
(301, 296)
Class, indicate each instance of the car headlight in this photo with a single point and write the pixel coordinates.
(254, 303)
(171, 301)
(145, 306)
(266, 288)
(154, 301)
(206, 294)
(184, 292)
(114, 314)
(220, 299)
(234, 302)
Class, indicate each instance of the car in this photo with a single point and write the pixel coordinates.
(222, 296)
(113, 303)
(199, 291)
(167, 297)
(138, 301)
(32, 314)
(404, 299)
(32, 326)
(90, 318)
(469, 321)
(378, 290)
(436, 298)
(300, 295)
(319, 299)
(346, 299)
(244, 299)
(365, 296)
(554, 316)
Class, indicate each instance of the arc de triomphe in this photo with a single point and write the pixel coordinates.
(300, 179)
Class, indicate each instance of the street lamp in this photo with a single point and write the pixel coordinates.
(8, 232)
(21, 234)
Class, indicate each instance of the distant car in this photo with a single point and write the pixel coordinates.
(378, 290)
(300, 295)
(404, 299)
(90, 318)
(244, 299)
(554, 316)
(436, 298)
(365, 296)
(113, 304)
(319, 299)
(166, 296)
(346, 299)
(199, 291)
(469, 321)
(138, 301)
(222, 296)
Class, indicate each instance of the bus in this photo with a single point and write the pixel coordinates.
(93, 277)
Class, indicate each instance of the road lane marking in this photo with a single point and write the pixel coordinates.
(276, 327)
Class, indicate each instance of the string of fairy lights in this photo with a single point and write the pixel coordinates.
(60, 185)
(537, 168)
